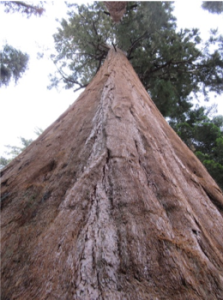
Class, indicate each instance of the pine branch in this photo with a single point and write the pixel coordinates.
(134, 44)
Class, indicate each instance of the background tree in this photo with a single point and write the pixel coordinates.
(215, 7)
(204, 136)
(13, 64)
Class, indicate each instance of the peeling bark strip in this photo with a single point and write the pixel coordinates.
(116, 9)
(109, 203)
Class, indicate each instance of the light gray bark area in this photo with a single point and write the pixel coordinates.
(139, 216)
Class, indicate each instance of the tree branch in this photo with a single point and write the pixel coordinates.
(130, 50)
(28, 9)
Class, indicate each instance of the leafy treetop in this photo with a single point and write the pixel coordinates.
(215, 7)
(171, 64)
(13, 63)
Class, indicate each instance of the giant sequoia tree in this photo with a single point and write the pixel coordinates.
(109, 203)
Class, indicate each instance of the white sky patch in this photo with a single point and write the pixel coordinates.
(29, 104)
(192, 15)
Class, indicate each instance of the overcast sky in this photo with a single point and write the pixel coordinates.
(30, 104)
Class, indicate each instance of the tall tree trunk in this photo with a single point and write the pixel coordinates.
(109, 203)
(116, 9)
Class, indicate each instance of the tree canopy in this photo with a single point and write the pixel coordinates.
(13, 64)
(215, 7)
(171, 64)
(204, 136)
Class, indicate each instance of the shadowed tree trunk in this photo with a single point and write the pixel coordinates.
(109, 203)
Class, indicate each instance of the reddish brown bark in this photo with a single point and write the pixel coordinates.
(116, 9)
(109, 203)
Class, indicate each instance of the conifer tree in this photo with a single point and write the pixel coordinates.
(13, 64)
(109, 203)
(215, 7)
(171, 64)
(204, 136)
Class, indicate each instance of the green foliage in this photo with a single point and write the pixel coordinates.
(81, 48)
(214, 168)
(204, 136)
(215, 7)
(13, 63)
(170, 64)
(23, 7)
